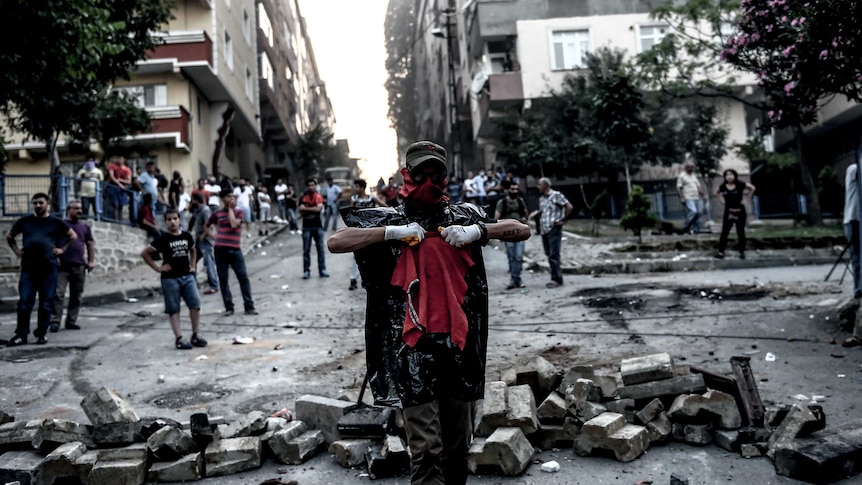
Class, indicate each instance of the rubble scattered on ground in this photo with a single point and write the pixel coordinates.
(618, 410)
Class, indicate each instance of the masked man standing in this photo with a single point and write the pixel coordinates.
(427, 309)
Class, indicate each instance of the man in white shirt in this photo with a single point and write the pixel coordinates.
(244, 193)
(333, 193)
(280, 191)
(212, 187)
(691, 195)
(263, 204)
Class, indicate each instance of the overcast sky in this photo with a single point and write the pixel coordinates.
(348, 41)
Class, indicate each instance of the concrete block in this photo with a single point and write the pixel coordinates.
(117, 434)
(277, 444)
(253, 423)
(727, 439)
(591, 410)
(20, 435)
(577, 395)
(6, 418)
(123, 472)
(225, 457)
(538, 373)
(350, 453)
(150, 425)
(55, 432)
(608, 382)
(169, 443)
(659, 429)
(186, 469)
(715, 405)
(477, 460)
(107, 406)
(509, 376)
(832, 456)
(646, 368)
(494, 408)
(668, 387)
(603, 425)
(790, 427)
(573, 374)
(625, 407)
(627, 442)
(302, 448)
(510, 450)
(551, 436)
(552, 409)
(521, 412)
(61, 464)
(381, 465)
(137, 451)
(23, 466)
(649, 412)
(753, 450)
(693, 433)
(774, 415)
(322, 413)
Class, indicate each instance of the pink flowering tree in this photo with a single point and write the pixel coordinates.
(800, 53)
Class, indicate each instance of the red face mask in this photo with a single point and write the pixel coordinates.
(423, 197)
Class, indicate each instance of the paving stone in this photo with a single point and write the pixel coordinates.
(277, 444)
(603, 425)
(552, 409)
(137, 451)
(170, 443)
(774, 415)
(753, 450)
(19, 435)
(610, 432)
(751, 434)
(649, 412)
(833, 455)
(608, 382)
(538, 373)
(115, 434)
(668, 387)
(622, 406)
(521, 412)
(350, 453)
(253, 423)
(786, 433)
(700, 434)
(107, 406)
(322, 413)
(727, 439)
(273, 425)
(365, 421)
(573, 374)
(122, 472)
(302, 448)
(225, 457)
(23, 466)
(381, 466)
(577, 395)
(493, 408)
(591, 410)
(6, 418)
(54, 432)
(646, 368)
(150, 425)
(659, 429)
(510, 449)
(186, 469)
(477, 460)
(712, 403)
(61, 464)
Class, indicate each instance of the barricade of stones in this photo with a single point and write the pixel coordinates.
(646, 401)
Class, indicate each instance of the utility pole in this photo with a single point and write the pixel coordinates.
(454, 122)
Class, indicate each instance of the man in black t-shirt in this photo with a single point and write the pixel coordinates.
(178, 277)
(44, 239)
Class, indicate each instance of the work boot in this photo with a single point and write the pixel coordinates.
(353, 285)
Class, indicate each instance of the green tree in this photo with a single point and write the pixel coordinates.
(638, 216)
(315, 149)
(58, 66)
(401, 82)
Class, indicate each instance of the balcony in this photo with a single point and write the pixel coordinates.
(168, 124)
(506, 90)
(181, 47)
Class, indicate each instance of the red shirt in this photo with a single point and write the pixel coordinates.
(120, 171)
(227, 236)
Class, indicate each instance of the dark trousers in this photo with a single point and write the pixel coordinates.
(41, 281)
(727, 224)
(851, 232)
(552, 242)
(227, 258)
(316, 233)
(86, 203)
(74, 277)
(439, 436)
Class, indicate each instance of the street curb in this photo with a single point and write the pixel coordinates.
(669, 266)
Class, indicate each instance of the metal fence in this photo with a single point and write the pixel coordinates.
(109, 203)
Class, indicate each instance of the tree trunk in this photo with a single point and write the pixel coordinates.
(53, 157)
(814, 216)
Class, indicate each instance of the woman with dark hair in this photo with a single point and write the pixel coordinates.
(176, 189)
(731, 193)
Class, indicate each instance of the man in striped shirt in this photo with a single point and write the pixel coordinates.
(228, 251)
(554, 209)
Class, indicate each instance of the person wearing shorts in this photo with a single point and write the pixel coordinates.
(177, 248)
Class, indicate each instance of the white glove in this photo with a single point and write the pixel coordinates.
(412, 233)
(460, 235)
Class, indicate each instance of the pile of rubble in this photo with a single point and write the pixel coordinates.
(646, 401)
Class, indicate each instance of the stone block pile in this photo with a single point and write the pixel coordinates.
(622, 409)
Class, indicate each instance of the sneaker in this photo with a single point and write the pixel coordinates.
(554, 284)
(210, 291)
(16, 341)
(42, 340)
(182, 344)
(353, 285)
(198, 341)
(741, 255)
(73, 326)
(260, 233)
(228, 313)
(252, 312)
(324, 274)
(54, 327)
(266, 233)
(511, 286)
(719, 255)
(306, 275)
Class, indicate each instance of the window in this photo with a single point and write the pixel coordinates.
(246, 29)
(248, 86)
(148, 96)
(287, 36)
(568, 49)
(651, 35)
(266, 71)
(228, 50)
(287, 73)
(265, 24)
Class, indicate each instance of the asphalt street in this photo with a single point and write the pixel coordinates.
(309, 339)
